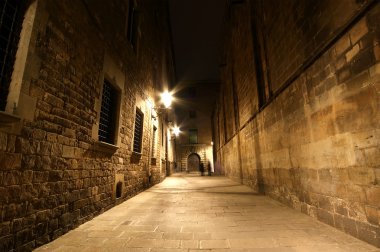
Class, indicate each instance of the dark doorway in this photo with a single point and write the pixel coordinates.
(193, 161)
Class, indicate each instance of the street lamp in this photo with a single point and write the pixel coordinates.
(176, 131)
(166, 99)
(165, 102)
(162, 110)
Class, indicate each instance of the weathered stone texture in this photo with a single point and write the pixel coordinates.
(242, 77)
(314, 145)
(53, 175)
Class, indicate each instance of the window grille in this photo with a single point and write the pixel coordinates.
(107, 123)
(139, 122)
(10, 27)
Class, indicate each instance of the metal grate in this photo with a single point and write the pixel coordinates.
(10, 26)
(137, 141)
(107, 123)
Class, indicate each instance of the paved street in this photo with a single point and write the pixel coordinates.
(189, 213)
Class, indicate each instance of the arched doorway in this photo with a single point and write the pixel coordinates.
(193, 161)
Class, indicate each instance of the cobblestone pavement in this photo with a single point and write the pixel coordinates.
(188, 213)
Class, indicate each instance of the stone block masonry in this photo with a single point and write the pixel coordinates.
(308, 132)
(54, 172)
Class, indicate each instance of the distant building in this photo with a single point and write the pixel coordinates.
(80, 125)
(193, 113)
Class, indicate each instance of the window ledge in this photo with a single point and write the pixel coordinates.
(7, 120)
(106, 147)
(136, 154)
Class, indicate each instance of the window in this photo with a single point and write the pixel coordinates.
(108, 116)
(193, 136)
(139, 123)
(193, 114)
(132, 23)
(154, 141)
(10, 27)
(162, 134)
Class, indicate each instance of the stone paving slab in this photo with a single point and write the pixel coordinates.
(193, 213)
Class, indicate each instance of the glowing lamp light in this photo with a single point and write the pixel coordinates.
(150, 104)
(176, 131)
(166, 99)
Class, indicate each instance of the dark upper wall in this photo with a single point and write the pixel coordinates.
(291, 40)
(297, 117)
(196, 26)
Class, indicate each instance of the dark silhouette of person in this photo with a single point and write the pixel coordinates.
(202, 168)
(209, 168)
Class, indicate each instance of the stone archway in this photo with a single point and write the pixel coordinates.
(193, 161)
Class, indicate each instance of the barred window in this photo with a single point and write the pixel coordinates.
(108, 114)
(137, 140)
(10, 28)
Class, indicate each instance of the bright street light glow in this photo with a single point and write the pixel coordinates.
(166, 99)
(150, 104)
(176, 131)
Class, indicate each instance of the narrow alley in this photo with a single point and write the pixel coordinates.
(109, 110)
(193, 213)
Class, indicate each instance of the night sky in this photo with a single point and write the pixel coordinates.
(196, 28)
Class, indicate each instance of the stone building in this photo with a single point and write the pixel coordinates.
(193, 113)
(79, 121)
(297, 116)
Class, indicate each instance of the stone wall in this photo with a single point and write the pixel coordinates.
(311, 89)
(54, 173)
